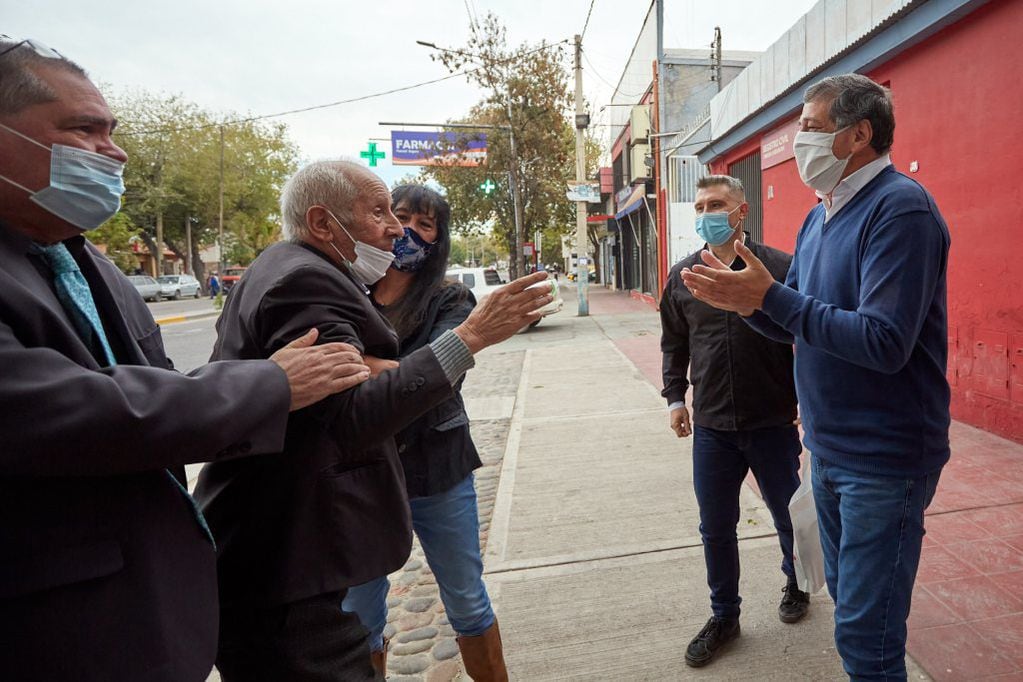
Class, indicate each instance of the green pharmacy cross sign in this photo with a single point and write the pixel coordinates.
(488, 186)
(372, 154)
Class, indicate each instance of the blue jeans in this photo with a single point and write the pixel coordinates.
(871, 528)
(449, 530)
(721, 460)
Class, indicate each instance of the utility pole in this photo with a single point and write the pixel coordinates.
(513, 175)
(715, 56)
(188, 245)
(582, 267)
(159, 242)
(220, 215)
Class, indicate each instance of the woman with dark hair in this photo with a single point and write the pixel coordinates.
(436, 450)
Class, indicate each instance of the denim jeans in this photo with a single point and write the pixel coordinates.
(721, 460)
(871, 528)
(448, 528)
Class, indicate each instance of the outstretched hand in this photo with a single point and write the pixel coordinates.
(506, 311)
(740, 291)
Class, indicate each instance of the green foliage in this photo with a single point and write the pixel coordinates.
(116, 234)
(173, 171)
(534, 82)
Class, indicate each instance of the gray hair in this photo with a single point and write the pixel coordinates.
(20, 87)
(734, 184)
(329, 183)
(855, 98)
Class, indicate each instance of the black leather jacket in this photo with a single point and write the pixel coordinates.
(741, 380)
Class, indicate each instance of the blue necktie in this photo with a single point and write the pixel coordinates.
(75, 296)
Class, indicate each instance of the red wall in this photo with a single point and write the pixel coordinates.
(959, 114)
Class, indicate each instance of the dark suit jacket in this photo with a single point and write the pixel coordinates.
(104, 572)
(436, 450)
(330, 511)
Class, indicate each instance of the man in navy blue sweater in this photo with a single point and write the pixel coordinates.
(865, 304)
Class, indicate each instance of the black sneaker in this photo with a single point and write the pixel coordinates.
(794, 603)
(712, 637)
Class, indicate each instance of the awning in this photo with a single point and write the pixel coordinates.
(633, 203)
(598, 218)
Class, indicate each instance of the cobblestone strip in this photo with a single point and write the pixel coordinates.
(423, 647)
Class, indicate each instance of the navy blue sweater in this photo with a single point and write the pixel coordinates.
(864, 303)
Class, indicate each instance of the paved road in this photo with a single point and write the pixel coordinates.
(185, 305)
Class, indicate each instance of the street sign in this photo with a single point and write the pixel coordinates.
(528, 248)
(418, 148)
(584, 191)
(372, 154)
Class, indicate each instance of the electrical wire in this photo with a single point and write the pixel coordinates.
(248, 119)
(606, 82)
(587, 22)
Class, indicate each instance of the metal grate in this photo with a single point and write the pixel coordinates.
(683, 173)
(747, 170)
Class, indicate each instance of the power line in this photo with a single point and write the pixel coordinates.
(248, 119)
(587, 22)
(606, 82)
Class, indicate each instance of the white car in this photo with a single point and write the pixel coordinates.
(176, 286)
(148, 288)
(483, 281)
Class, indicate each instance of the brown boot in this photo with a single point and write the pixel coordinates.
(483, 656)
(379, 660)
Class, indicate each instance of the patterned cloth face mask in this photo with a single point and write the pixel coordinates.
(410, 252)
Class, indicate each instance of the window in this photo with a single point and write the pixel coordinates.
(469, 280)
(491, 277)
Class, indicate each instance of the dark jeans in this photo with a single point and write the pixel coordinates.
(306, 641)
(721, 460)
(872, 528)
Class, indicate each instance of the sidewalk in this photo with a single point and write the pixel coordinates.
(595, 559)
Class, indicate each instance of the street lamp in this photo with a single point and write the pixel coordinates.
(513, 161)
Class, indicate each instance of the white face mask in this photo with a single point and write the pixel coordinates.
(370, 263)
(818, 166)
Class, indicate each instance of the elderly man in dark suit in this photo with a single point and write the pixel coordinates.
(296, 529)
(107, 570)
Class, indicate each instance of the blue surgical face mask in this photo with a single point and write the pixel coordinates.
(410, 252)
(714, 228)
(85, 187)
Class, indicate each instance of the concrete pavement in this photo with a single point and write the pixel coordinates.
(594, 557)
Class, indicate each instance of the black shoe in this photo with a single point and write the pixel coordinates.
(794, 604)
(712, 637)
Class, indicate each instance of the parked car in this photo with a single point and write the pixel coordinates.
(231, 277)
(148, 288)
(176, 286)
(483, 281)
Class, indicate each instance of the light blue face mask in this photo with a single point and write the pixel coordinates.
(85, 187)
(714, 228)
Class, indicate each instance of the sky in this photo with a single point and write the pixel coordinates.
(257, 57)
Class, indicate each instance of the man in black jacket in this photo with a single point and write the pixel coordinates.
(744, 410)
(296, 529)
(107, 571)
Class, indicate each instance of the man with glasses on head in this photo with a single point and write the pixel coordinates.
(108, 567)
(865, 304)
(744, 406)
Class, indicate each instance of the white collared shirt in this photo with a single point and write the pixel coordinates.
(848, 187)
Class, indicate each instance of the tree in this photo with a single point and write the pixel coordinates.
(173, 176)
(116, 235)
(527, 88)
